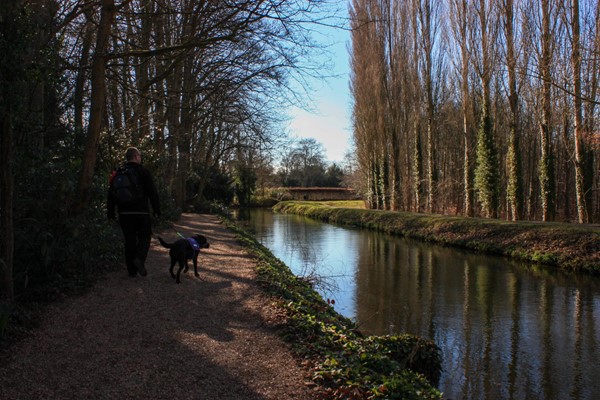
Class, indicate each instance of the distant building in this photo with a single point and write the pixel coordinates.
(321, 193)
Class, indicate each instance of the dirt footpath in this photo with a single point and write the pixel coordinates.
(150, 338)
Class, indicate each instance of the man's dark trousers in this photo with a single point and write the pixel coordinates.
(137, 231)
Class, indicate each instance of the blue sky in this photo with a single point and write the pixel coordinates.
(330, 123)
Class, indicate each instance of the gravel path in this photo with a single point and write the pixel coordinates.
(150, 338)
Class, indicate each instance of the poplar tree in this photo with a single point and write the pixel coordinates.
(485, 130)
(580, 154)
(486, 172)
(460, 28)
(546, 163)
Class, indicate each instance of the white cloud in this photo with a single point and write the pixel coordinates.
(330, 127)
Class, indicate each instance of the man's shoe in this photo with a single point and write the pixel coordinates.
(140, 266)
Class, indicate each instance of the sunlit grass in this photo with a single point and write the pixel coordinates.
(344, 203)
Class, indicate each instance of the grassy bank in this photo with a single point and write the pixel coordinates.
(347, 364)
(569, 247)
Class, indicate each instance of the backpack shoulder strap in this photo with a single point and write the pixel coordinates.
(112, 176)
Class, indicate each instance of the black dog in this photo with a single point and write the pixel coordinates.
(183, 250)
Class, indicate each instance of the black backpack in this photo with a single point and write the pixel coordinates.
(126, 187)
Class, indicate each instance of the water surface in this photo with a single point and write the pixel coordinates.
(507, 330)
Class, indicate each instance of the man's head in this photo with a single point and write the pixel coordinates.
(133, 155)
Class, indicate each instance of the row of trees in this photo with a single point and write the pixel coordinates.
(304, 164)
(198, 85)
(484, 107)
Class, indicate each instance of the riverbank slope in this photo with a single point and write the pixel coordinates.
(569, 247)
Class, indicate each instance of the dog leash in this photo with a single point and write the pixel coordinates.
(178, 234)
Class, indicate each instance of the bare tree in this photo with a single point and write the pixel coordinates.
(459, 13)
(593, 136)
(365, 117)
(185, 55)
(513, 156)
(546, 167)
(573, 24)
(427, 30)
(97, 101)
(486, 172)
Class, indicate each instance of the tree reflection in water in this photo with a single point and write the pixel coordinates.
(506, 330)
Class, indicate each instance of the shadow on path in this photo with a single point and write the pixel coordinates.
(150, 338)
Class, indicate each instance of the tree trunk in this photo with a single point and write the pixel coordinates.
(486, 173)
(78, 93)
(546, 169)
(173, 112)
(424, 14)
(185, 132)
(140, 112)
(9, 14)
(7, 239)
(582, 215)
(97, 103)
(467, 136)
(592, 172)
(513, 158)
(417, 170)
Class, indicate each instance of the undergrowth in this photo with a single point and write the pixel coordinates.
(348, 364)
(58, 253)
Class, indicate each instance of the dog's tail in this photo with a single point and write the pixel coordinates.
(164, 244)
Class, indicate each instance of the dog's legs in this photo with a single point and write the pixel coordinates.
(173, 262)
(182, 265)
(195, 261)
(178, 273)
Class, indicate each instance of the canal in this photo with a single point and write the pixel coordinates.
(507, 330)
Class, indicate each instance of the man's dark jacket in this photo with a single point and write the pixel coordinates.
(141, 207)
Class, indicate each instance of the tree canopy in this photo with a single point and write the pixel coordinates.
(199, 86)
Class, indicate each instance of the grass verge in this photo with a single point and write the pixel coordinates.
(570, 247)
(348, 365)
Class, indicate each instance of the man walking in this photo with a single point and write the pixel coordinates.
(131, 186)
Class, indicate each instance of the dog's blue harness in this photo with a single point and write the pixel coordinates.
(195, 245)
